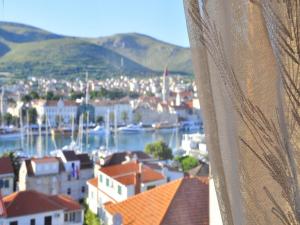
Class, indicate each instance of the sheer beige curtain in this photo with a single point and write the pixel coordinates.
(246, 61)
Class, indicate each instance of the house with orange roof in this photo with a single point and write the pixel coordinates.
(183, 201)
(35, 208)
(118, 182)
(6, 176)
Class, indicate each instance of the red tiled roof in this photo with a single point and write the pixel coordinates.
(125, 173)
(32, 202)
(93, 182)
(6, 165)
(66, 103)
(66, 201)
(181, 202)
(45, 160)
(119, 169)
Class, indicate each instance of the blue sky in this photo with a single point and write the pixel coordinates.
(162, 19)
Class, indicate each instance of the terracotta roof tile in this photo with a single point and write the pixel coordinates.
(67, 202)
(93, 182)
(181, 202)
(32, 202)
(147, 176)
(45, 160)
(6, 165)
(125, 173)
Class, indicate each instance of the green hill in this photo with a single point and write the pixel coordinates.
(29, 51)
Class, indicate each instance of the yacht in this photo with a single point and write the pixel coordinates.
(131, 128)
(191, 126)
(98, 130)
(9, 132)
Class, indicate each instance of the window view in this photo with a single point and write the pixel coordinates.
(99, 111)
(159, 112)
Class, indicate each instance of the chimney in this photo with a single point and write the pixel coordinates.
(138, 179)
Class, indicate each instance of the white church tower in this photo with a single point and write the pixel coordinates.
(165, 86)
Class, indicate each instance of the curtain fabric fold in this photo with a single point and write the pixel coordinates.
(246, 57)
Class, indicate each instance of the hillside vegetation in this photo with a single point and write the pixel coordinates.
(29, 51)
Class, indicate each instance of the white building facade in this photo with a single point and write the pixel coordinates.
(61, 111)
(119, 182)
(66, 174)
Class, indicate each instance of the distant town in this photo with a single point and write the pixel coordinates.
(157, 102)
(75, 185)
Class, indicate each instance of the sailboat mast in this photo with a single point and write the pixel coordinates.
(2, 106)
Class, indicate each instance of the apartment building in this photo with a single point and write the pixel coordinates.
(65, 174)
(119, 182)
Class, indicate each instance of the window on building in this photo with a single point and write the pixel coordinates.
(69, 191)
(150, 187)
(13, 223)
(66, 217)
(32, 222)
(100, 177)
(83, 189)
(107, 182)
(6, 183)
(48, 220)
(119, 190)
(1, 183)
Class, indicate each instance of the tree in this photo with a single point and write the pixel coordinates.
(26, 98)
(90, 218)
(57, 120)
(188, 162)
(124, 116)
(32, 114)
(76, 95)
(34, 95)
(15, 120)
(51, 96)
(111, 116)
(137, 117)
(159, 150)
(7, 118)
(100, 120)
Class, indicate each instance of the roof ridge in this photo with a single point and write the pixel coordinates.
(132, 198)
(172, 199)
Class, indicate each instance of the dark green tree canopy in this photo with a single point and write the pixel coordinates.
(159, 150)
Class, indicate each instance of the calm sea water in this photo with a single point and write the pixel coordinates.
(42, 145)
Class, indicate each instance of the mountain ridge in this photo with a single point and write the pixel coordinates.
(27, 50)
